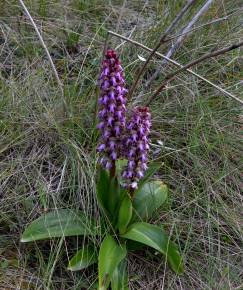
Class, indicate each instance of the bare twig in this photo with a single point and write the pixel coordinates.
(203, 25)
(178, 65)
(179, 41)
(172, 75)
(197, 28)
(168, 30)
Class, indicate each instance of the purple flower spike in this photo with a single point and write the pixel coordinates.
(136, 144)
(112, 109)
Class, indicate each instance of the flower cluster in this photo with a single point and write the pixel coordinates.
(118, 138)
(136, 144)
(112, 108)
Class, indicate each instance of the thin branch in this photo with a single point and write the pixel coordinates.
(168, 30)
(203, 25)
(43, 44)
(172, 75)
(178, 65)
(198, 27)
(179, 41)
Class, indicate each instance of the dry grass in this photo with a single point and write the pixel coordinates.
(47, 158)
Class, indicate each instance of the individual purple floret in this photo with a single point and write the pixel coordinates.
(112, 101)
(136, 144)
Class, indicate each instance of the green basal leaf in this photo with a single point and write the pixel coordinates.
(110, 256)
(103, 187)
(114, 199)
(58, 223)
(108, 195)
(134, 246)
(119, 279)
(155, 237)
(83, 258)
(149, 198)
(125, 214)
(153, 167)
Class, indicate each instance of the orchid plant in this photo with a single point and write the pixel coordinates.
(126, 196)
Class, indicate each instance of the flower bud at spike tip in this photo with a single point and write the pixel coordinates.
(136, 145)
(112, 101)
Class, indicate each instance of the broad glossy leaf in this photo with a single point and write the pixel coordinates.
(155, 237)
(103, 186)
(125, 214)
(58, 223)
(114, 199)
(110, 256)
(108, 195)
(134, 246)
(83, 258)
(148, 198)
(153, 167)
(119, 279)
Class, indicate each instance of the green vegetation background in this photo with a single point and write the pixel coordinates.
(48, 158)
